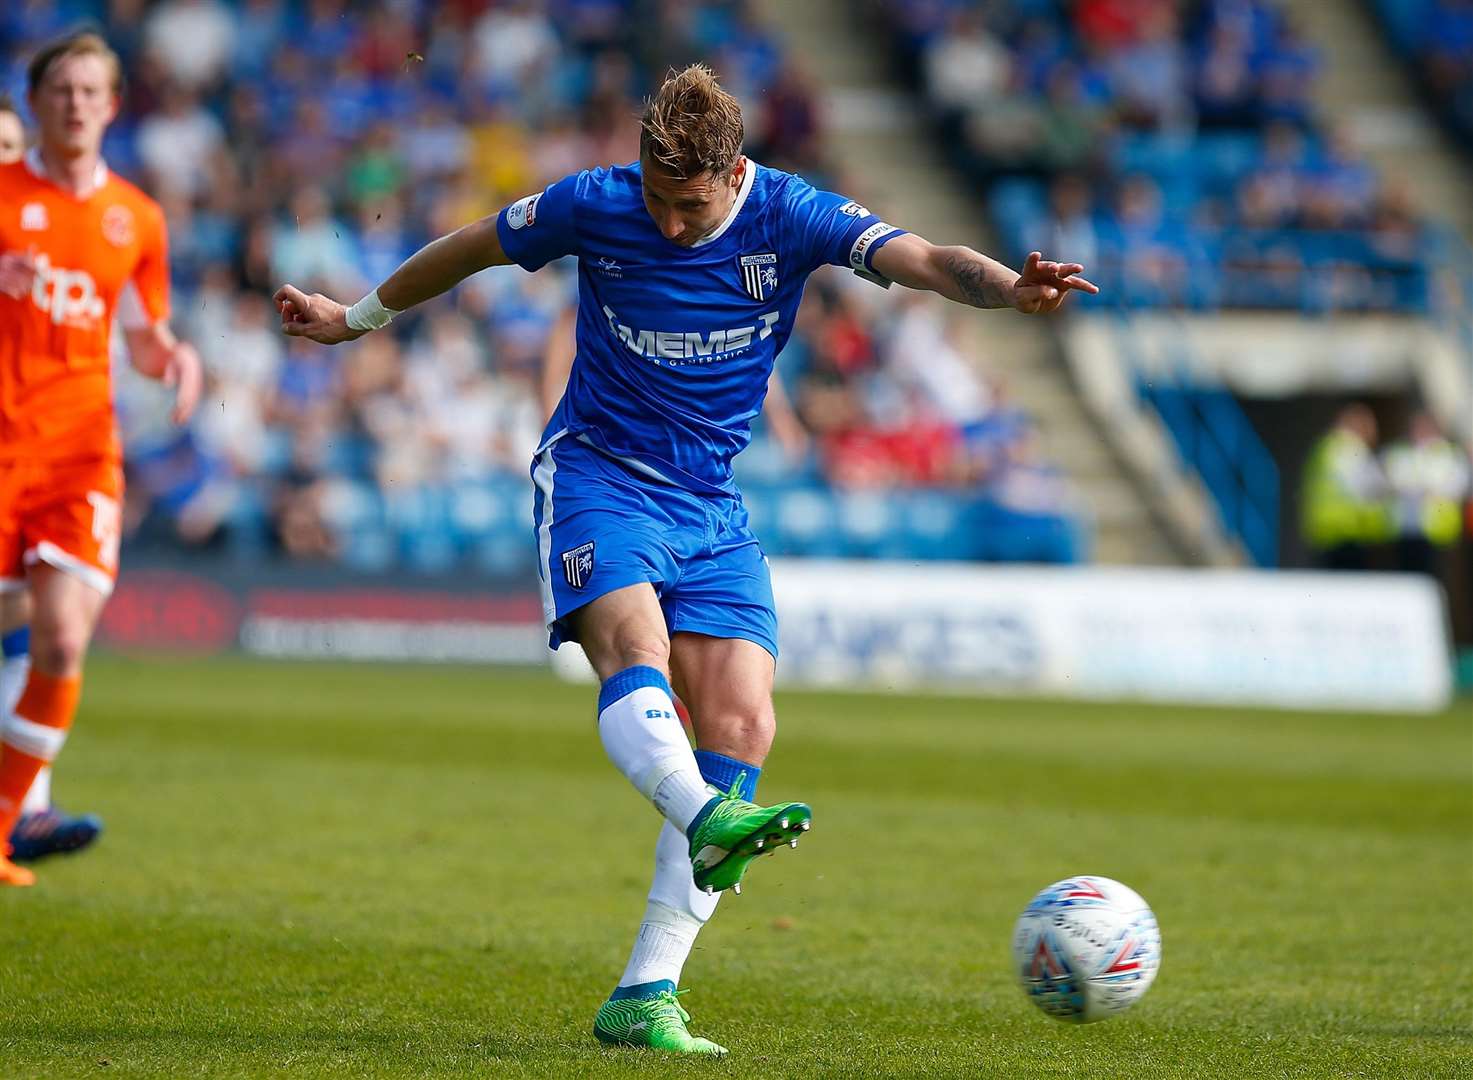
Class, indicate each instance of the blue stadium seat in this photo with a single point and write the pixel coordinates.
(475, 510)
(867, 520)
(507, 551)
(805, 523)
(368, 549)
(429, 551)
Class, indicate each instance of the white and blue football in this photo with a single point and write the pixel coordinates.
(1086, 949)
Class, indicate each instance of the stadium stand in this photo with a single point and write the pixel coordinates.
(1436, 38)
(1179, 152)
(1179, 149)
(409, 450)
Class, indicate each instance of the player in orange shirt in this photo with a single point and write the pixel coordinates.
(42, 830)
(78, 246)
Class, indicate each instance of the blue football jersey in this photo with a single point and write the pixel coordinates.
(676, 344)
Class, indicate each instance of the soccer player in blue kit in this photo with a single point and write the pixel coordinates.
(691, 264)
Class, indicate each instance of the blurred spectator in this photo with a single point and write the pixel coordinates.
(788, 132)
(192, 39)
(966, 67)
(1147, 245)
(180, 144)
(514, 48)
(924, 357)
(308, 246)
(1226, 88)
(1072, 226)
(1148, 76)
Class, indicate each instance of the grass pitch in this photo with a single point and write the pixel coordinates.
(368, 871)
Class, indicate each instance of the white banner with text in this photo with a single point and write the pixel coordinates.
(1280, 638)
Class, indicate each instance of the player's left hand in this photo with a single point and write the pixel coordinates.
(1042, 285)
(183, 372)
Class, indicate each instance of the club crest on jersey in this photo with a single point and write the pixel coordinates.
(578, 565)
(33, 217)
(759, 274)
(117, 226)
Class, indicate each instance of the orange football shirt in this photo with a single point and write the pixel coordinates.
(100, 255)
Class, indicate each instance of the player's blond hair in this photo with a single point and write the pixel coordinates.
(691, 126)
(82, 43)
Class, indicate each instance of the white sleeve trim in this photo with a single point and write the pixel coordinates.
(130, 310)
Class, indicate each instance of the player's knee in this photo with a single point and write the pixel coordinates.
(58, 649)
(744, 731)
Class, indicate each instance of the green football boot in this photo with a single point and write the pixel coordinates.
(735, 832)
(657, 1022)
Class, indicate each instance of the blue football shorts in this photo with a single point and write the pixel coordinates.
(601, 526)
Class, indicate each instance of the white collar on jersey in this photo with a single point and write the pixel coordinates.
(736, 207)
(38, 169)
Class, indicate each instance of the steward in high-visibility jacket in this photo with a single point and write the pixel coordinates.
(1343, 497)
(1429, 478)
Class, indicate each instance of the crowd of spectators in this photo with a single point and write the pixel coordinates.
(1171, 146)
(1436, 36)
(321, 142)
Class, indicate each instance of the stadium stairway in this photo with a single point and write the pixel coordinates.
(1365, 87)
(880, 138)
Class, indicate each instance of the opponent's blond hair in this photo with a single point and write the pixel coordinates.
(83, 43)
(691, 126)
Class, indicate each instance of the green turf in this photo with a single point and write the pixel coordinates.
(369, 871)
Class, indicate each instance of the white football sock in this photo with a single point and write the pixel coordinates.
(673, 916)
(38, 799)
(644, 739)
(13, 674)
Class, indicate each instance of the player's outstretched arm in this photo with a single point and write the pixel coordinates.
(433, 269)
(969, 277)
(155, 351)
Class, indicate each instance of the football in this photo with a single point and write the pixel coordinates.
(1086, 949)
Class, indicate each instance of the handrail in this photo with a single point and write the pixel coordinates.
(1214, 438)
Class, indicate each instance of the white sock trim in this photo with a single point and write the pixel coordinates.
(38, 740)
(644, 739)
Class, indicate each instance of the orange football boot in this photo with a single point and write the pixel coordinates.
(11, 874)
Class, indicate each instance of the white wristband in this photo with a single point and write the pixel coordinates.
(370, 314)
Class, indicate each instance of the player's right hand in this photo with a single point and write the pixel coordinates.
(317, 317)
(17, 273)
